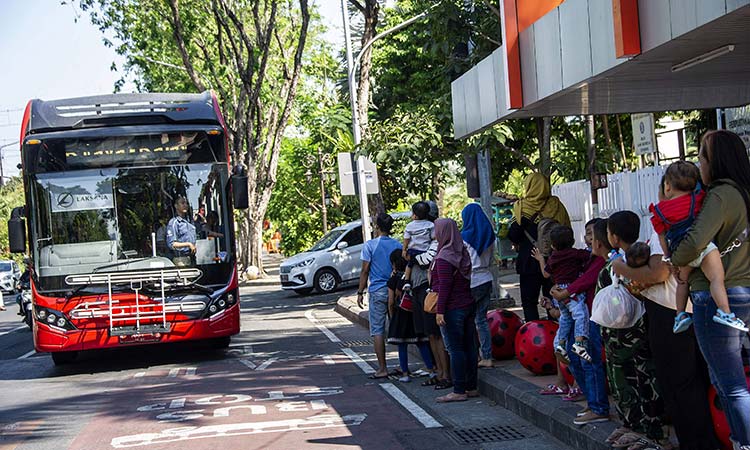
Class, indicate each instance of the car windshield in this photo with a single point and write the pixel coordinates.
(5, 267)
(327, 240)
(99, 219)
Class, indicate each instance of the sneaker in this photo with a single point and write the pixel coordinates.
(590, 417)
(486, 363)
(583, 412)
(574, 395)
(404, 379)
(730, 320)
(579, 348)
(682, 322)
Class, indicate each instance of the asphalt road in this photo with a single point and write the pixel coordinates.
(294, 378)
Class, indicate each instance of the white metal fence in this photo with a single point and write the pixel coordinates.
(633, 191)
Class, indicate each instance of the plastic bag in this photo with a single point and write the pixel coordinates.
(615, 307)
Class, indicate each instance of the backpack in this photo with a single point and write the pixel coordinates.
(544, 228)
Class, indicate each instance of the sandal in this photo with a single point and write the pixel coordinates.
(617, 434)
(682, 322)
(579, 348)
(432, 381)
(452, 397)
(730, 320)
(553, 389)
(574, 395)
(443, 384)
(628, 439)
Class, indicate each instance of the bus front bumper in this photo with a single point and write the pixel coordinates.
(53, 339)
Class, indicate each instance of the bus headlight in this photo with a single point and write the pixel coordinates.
(53, 318)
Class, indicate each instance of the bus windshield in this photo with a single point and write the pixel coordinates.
(101, 219)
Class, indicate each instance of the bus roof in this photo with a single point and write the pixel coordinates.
(121, 109)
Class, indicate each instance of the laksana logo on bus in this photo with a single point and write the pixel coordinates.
(125, 151)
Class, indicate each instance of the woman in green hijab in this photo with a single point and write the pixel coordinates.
(538, 203)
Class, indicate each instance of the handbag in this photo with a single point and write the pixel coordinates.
(615, 307)
(430, 302)
(406, 303)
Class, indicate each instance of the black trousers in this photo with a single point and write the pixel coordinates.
(682, 375)
(530, 287)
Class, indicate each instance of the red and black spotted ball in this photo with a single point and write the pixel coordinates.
(534, 348)
(503, 325)
(721, 425)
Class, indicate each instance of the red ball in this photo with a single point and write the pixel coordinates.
(567, 374)
(534, 348)
(504, 325)
(721, 425)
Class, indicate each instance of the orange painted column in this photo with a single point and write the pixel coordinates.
(627, 28)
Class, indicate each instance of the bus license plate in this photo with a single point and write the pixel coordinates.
(284, 278)
(140, 338)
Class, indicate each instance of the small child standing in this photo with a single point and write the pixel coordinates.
(564, 266)
(680, 200)
(418, 236)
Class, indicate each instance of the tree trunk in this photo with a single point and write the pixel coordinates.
(608, 138)
(625, 164)
(544, 132)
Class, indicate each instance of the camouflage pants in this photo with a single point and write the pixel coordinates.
(632, 379)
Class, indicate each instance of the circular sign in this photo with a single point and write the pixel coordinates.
(65, 200)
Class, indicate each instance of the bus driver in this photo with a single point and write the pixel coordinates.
(181, 234)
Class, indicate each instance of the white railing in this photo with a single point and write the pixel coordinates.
(633, 191)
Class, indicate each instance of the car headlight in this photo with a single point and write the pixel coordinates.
(304, 263)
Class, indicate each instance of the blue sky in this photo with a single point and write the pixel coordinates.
(46, 54)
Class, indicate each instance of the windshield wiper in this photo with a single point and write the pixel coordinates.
(122, 263)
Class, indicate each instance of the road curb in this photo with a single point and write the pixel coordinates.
(521, 397)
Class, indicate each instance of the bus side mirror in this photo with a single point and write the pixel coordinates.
(17, 231)
(239, 188)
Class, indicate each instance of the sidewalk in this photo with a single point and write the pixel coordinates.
(516, 389)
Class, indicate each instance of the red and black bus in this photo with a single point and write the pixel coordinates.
(101, 177)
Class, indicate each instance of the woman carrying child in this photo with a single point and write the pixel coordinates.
(538, 203)
(725, 170)
(401, 329)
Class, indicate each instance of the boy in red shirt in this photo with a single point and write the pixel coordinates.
(680, 199)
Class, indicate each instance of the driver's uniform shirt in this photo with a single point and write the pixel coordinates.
(180, 230)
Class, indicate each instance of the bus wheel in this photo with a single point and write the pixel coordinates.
(221, 343)
(61, 358)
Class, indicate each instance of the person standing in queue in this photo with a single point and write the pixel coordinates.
(538, 203)
(376, 268)
(181, 234)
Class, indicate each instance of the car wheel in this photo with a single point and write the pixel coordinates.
(60, 358)
(303, 291)
(326, 281)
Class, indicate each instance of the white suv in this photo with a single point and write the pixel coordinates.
(332, 261)
(10, 273)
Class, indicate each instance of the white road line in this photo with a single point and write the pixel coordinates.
(356, 359)
(332, 337)
(26, 355)
(329, 360)
(139, 375)
(267, 363)
(190, 371)
(248, 363)
(14, 329)
(173, 372)
(420, 414)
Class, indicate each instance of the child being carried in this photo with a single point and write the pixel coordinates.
(564, 266)
(680, 199)
(418, 236)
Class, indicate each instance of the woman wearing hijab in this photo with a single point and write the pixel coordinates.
(479, 238)
(537, 204)
(451, 279)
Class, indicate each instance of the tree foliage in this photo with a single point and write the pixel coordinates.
(249, 51)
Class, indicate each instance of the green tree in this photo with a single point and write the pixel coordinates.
(250, 52)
